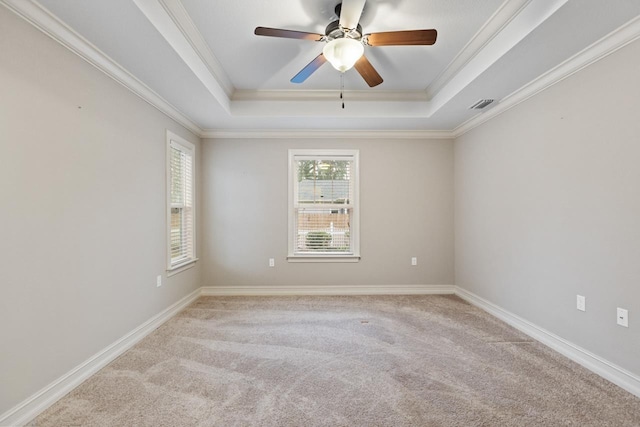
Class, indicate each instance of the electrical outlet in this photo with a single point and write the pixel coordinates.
(272, 262)
(159, 281)
(623, 317)
(414, 261)
(581, 303)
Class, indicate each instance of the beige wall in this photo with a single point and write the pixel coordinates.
(82, 185)
(245, 206)
(548, 206)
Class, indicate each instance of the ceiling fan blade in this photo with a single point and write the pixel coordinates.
(309, 69)
(287, 34)
(350, 13)
(402, 38)
(368, 73)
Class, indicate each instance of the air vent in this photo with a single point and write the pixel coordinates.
(481, 104)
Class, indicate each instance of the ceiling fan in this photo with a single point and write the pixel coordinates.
(345, 42)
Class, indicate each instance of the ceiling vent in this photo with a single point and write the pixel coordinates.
(481, 104)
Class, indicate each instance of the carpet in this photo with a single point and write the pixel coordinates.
(341, 361)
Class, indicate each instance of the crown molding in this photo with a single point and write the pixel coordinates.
(326, 103)
(324, 134)
(526, 20)
(496, 23)
(176, 10)
(329, 95)
(610, 43)
(45, 21)
(163, 19)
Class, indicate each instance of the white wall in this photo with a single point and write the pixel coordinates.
(547, 206)
(406, 210)
(82, 185)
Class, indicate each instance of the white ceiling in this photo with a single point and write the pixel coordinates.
(200, 58)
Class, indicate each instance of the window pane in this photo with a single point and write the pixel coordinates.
(177, 248)
(324, 181)
(182, 223)
(323, 230)
(177, 176)
(323, 205)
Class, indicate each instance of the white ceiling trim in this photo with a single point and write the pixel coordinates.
(181, 17)
(505, 13)
(330, 108)
(527, 20)
(327, 103)
(610, 43)
(49, 24)
(328, 95)
(507, 27)
(163, 21)
(326, 134)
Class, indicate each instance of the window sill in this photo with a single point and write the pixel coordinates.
(323, 258)
(172, 271)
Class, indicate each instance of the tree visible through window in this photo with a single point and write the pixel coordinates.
(323, 213)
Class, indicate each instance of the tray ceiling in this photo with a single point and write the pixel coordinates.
(201, 60)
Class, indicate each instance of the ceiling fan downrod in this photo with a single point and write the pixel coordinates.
(342, 89)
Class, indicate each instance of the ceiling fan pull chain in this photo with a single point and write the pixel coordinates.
(342, 89)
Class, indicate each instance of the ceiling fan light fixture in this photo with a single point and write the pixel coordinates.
(343, 53)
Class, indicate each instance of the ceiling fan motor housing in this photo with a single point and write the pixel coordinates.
(345, 46)
(334, 31)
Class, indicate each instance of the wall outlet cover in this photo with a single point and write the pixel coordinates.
(581, 303)
(623, 317)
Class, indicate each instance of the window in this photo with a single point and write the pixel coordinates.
(180, 203)
(323, 205)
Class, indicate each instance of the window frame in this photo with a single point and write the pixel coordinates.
(185, 146)
(354, 218)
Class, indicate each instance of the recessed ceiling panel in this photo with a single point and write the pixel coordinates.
(267, 63)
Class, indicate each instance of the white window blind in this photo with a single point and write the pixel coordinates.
(181, 206)
(323, 212)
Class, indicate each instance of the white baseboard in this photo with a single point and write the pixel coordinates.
(327, 290)
(33, 406)
(594, 363)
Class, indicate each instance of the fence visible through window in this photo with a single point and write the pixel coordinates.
(323, 231)
(323, 216)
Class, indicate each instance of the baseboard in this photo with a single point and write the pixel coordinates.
(594, 363)
(327, 290)
(33, 406)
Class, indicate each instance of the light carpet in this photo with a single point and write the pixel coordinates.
(341, 361)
